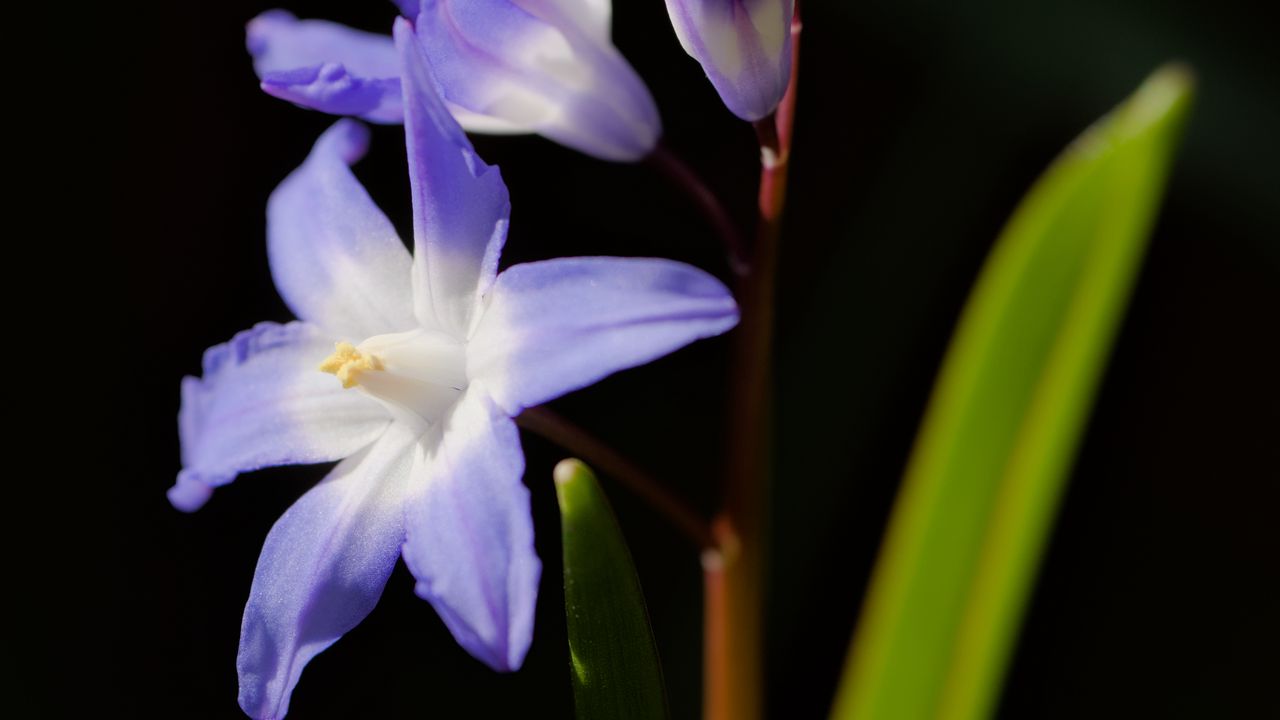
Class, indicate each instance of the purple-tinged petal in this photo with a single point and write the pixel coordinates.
(408, 8)
(544, 65)
(331, 88)
(460, 204)
(322, 570)
(336, 69)
(593, 17)
(262, 402)
(555, 326)
(469, 533)
(326, 66)
(484, 124)
(744, 46)
(188, 493)
(336, 259)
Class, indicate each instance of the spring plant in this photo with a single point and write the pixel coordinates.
(414, 369)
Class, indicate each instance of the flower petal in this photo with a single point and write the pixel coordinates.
(558, 325)
(322, 570)
(336, 259)
(408, 8)
(591, 16)
(326, 66)
(469, 533)
(460, 204)
(484, 124)
(262, 402)
(535, 64)
(744, 46)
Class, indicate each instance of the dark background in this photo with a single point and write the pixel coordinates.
(920, 124)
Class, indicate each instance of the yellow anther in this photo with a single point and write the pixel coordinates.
(347, 363)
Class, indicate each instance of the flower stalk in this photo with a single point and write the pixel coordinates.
(734, 576)
(677, 171)
(554, 427)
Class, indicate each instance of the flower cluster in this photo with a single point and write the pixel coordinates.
(409, 368)
(528, 66)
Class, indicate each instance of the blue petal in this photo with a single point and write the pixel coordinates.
(559, 325)
(336, 259)
(408, 8)
(322, 570)
(262, 402)
(326, 66)
(592, 16)
(744, 46)
(469, 533)
(460, 204)
(542, 65)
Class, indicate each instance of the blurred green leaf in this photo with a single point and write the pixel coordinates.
(613, 658)
(1005, 421)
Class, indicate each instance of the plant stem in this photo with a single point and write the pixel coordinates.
(679, 172)
(606, 460)
(734, 577)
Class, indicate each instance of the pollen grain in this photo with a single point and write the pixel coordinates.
(347, 362)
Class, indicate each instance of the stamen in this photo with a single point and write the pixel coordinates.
(347, 363)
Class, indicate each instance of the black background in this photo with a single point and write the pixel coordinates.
(920, 125)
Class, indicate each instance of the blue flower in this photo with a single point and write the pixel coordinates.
(409, 370)
(504, 66)
(743, 45)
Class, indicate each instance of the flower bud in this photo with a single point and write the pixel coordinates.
(743, 45)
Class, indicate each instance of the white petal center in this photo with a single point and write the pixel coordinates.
(419, 371)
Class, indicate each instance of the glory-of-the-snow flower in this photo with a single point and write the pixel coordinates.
(433, 355)
(743, 45)
(503, 66)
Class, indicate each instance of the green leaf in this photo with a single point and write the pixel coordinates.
(1006, 418)
(613, 658)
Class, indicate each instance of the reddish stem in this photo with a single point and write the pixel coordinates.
(610, 462)
(676, 170)
(734, 577)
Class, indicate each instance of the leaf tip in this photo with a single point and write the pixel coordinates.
(1167, 91)
(568, 470)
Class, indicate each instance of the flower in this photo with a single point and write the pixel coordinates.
(743, 45)
(504, 66)
(409, 370)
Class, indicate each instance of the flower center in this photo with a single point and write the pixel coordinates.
(419, 371)
(347, 362)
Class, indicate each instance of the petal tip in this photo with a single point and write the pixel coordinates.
(347, 138)
(402, 29)
(256, 31)
(492, 652)
(189, 494)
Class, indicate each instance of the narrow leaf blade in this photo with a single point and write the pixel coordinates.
(613, 658)
(1005, 421)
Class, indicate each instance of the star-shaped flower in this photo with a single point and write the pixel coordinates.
(433, 355)
(504, 66)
